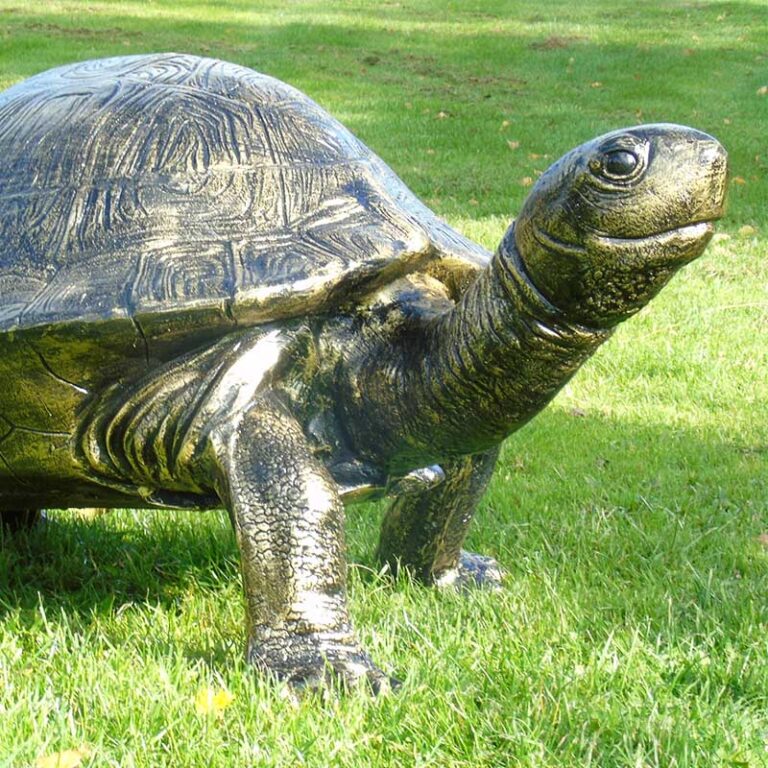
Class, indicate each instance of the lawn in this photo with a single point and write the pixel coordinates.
(631, 516)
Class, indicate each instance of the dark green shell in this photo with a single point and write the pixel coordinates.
(150, 205)
(170, 184)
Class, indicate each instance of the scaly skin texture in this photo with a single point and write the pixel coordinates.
(215, 295)
(424, 531)
(289, 523)
(419, 391)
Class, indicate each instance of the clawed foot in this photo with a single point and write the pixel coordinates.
(472, 571)
(317, 661)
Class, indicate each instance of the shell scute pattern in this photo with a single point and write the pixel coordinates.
(156, 184)
(187, 272)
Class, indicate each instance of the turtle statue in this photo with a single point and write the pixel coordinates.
(212, 294)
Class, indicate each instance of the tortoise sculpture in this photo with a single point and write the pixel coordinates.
(211, 293)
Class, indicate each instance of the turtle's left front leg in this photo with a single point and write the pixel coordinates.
(423, 531)
(289, 523)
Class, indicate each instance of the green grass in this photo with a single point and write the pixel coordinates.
(633, 627)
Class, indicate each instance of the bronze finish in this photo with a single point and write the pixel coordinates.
(213, 294)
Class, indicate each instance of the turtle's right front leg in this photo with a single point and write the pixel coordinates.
(423, 531)
(289, 523)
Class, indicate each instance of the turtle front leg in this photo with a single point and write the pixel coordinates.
(423, 531)
(289, 523)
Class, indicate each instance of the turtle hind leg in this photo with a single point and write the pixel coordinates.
(423, 531)
(289, 524)
(16, 520)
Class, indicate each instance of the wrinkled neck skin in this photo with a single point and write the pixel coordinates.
(461, 382)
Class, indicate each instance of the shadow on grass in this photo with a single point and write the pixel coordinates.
(578, 500)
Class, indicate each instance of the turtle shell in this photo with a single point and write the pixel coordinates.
(180, 192)
(152, 204)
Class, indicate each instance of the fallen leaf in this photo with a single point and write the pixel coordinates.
(596, 84)
(441, 115)
(526, 181)
(763, 540)
(430, 151)
(211, 702)
(69, 758)
(747, 230)
(505, 124)
(726, 120)
(472, 201)
(720, 237)
(738, 180)
(513, 144)
(534, 156)
(762, 90)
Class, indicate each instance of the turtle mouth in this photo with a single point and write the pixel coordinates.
(675, 246)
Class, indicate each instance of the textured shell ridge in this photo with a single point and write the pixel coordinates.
(155, 184)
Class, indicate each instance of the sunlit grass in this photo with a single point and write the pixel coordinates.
(633, 628)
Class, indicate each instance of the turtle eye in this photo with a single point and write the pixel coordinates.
(620, 163)
(617, 164)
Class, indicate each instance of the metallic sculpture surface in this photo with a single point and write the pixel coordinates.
(214, 294)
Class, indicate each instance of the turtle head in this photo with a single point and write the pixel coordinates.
(607, 225)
